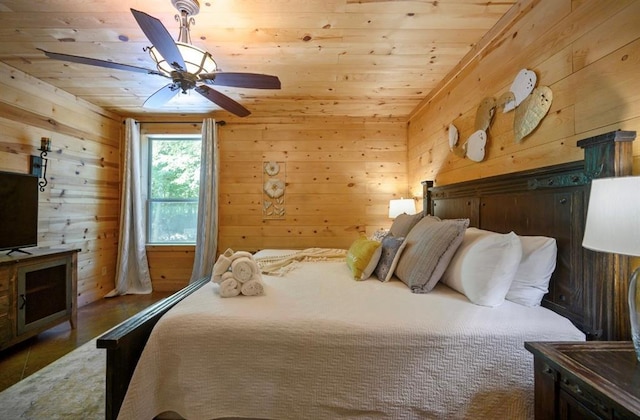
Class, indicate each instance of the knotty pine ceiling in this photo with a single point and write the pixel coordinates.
(356, 58)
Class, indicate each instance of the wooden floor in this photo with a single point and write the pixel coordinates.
(23, 359)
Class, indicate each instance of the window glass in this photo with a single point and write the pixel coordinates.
(173, 187)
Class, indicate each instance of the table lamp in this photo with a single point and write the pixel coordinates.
(403, 205)
(613, 225)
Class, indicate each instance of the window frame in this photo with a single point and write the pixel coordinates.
(145, 178)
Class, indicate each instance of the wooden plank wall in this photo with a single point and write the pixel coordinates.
(170, 266)
(340, 176)
(586, 51)
(340, 172)
(80, 205)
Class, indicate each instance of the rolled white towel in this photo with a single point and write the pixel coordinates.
(253, 287)
(240, 254)
(244, 269)
(229, 288)
(222, 264)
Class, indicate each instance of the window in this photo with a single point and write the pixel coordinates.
(173, 183)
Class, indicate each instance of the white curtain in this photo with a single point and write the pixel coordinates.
(207, 236)
(132, 271)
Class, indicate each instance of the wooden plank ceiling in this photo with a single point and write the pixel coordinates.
(356, 58)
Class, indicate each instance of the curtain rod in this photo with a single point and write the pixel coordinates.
(221, 122)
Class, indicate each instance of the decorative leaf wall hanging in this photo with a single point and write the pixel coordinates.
(531, 105)
(484, 114)
(521, 87)
(453, 136)
(531, 112)
(476, 146)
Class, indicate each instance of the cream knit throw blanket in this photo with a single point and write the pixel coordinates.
(282, 264)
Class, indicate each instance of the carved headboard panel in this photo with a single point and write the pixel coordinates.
(552, 201)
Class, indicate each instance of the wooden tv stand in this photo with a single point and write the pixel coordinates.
(37, 291)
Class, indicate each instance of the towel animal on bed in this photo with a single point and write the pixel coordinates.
(237, 273)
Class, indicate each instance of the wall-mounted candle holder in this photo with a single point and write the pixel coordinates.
(39, 163)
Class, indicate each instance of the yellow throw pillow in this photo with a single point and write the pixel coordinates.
(362, 257)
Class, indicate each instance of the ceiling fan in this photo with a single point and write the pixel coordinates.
(187, 66)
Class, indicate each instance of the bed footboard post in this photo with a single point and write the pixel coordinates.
(121, 362)
(124, 345)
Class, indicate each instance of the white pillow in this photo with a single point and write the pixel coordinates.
(484, 266)
(531, 282)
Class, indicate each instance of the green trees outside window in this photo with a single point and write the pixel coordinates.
(173, 187)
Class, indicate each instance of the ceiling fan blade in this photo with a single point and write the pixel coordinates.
(161, 96)
(223, 101)
(99, 63)
(160, 38)
(243, 80)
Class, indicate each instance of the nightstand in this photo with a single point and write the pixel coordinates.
(586, 380)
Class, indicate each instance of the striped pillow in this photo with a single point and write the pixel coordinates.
(430, 246)
(404, 223)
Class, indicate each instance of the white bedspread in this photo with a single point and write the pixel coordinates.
(319, 345)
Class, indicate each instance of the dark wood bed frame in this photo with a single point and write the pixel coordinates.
(588, 288)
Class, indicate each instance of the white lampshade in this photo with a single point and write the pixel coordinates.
(403, 205)
(613, 225)
(613, 216)
(196, 60)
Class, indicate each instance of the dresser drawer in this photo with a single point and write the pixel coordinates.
(4, 305)
(5, 272)
(586, 380)
(5, 328)
(576, 395)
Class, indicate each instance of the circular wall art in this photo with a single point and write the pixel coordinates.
(273, 188)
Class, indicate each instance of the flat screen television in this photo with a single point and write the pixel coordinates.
(18, 211)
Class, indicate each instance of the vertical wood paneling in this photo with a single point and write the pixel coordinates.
(79, 207)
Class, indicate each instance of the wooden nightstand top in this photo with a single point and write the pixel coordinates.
(607, 368)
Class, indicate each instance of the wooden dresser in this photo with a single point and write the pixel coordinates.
(37, 291)
(586, 380)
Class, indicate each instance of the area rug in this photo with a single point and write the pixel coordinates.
(72, 387)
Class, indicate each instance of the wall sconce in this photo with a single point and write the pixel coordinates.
(403, 205)
(39, 163)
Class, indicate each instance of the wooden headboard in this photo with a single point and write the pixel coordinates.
(587, 287)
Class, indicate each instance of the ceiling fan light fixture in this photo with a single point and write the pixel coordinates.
(196, 60)
(188, 67)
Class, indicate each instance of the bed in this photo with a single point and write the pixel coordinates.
(318, 346)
